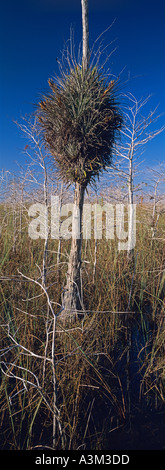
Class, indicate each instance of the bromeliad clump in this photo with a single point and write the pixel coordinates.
(79, 118)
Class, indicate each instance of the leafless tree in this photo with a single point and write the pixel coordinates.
(157, 195)
(37, 159)
(135, 134)
(25, 376)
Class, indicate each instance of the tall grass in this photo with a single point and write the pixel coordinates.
(108, 365)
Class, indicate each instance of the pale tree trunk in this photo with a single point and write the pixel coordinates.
(59, 241)
(85, 26)
(45, 252)
(130, 252)
(71, 301)
(130, 182)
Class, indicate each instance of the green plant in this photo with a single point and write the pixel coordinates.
(79, 119)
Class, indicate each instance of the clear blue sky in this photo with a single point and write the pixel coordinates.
(32, 35)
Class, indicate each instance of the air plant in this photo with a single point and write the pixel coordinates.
(79, 119)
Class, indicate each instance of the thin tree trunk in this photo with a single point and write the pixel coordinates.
(59, 241)
(85, 25)
(72, 301)
(45, 253)
(130, 252)
(130, 182)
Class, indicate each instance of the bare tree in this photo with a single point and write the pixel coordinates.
(135, 134)
(157, 195)
(25, 375)
(35, 152)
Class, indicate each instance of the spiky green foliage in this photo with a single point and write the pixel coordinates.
(79, 119)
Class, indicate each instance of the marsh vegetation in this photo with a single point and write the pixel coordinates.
(97, 382)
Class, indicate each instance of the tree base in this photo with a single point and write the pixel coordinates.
(72, 307)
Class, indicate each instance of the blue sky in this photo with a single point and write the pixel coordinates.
(32, 35)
